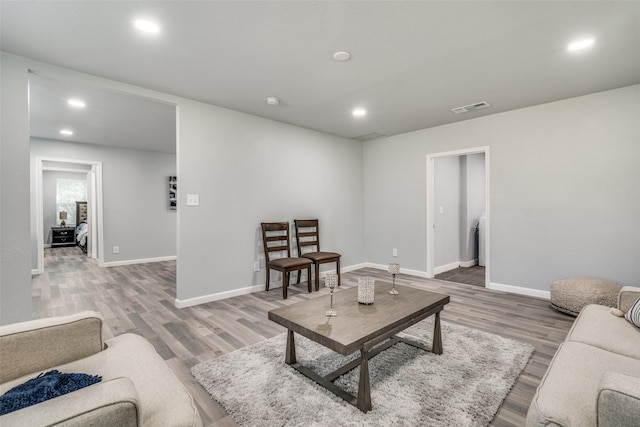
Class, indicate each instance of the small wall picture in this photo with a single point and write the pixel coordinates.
(173, 192)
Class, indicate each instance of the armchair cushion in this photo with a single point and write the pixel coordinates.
(109, 403)
(44, 387)
(42, 344)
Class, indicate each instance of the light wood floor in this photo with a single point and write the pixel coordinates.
(140, 299)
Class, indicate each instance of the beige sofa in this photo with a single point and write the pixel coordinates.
(137, 387)
(594, 377)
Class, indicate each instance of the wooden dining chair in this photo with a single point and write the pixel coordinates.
(308, 235)
(275, 238)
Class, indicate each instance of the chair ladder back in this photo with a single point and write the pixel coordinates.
(267, 238)
(310, 234)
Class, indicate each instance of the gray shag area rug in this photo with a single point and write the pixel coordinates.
(465, 386)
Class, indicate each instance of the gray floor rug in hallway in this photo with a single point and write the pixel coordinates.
(463, 387)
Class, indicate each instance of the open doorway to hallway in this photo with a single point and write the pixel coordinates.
(457, 201)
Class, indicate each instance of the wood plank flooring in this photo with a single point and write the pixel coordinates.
(140, 299)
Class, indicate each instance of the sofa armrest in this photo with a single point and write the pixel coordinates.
(37, 345)
(618, 400)
(110, 403)
(627, 296)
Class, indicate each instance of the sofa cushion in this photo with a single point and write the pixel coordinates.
(596, 326)
(633, 315)
(568, 393)
(618, 400)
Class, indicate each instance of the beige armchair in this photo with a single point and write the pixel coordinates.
(137, 387)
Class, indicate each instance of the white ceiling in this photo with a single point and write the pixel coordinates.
(411, 61)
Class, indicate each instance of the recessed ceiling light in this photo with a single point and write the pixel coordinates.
(580, 44)
(78, 103)
(147, 26)
(359, 112)
(273, 100)
(342, 56)
(66, 132)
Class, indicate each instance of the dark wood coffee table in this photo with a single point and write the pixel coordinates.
(358, 327)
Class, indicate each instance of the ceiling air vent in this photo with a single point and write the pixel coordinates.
(370, 136)
(471, 107)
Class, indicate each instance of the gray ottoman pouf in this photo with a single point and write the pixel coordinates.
(571, 295)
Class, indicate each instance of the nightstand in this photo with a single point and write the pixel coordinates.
(63, 236)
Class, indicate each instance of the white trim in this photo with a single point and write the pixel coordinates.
(410, 272)
(95, 212)
(431, 206)
(136, 261)
(446, 267)
(189, 302)
(467, 264)
(521, 291)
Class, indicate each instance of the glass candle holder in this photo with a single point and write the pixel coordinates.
(394, 269)
(331, 281)
(366, 290)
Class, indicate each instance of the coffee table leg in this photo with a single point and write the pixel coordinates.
(364, 388)
(437, 336)
(290, 356)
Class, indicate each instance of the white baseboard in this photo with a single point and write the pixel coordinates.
(447, 267)
(519, 290)
(467, 264)
(408, 271)
(189, 302)
(136, 261)
(218, 296)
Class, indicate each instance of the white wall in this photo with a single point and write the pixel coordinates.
(447, 197)
(136, 215)
(247, 170)
(472, 202)
(15, 244)
(565, 199)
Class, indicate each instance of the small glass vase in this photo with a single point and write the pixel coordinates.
(331, 281)
(394, 269)
(366, 290)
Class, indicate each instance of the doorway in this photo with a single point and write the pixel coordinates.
(93, 172)
(457, 204)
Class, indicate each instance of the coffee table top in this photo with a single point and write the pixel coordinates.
(356, 323)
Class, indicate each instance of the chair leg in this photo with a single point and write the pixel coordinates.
(338, 270)
(285, 284)
(317, 264)
(299, 274)
(266, 283)
(309, 277)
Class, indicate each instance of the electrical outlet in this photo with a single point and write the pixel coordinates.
(394, 252)
(116, 249)
(256, 266)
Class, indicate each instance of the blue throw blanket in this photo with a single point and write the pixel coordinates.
(44, 387)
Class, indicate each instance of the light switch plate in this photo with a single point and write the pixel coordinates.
(193, 200)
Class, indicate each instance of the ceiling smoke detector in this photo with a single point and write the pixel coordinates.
(471, 107)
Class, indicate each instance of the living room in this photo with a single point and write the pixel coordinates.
(562, 195)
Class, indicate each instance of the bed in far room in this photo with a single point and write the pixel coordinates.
(82, 226)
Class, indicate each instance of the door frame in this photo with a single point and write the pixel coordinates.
(94, 180)
(431, 209)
